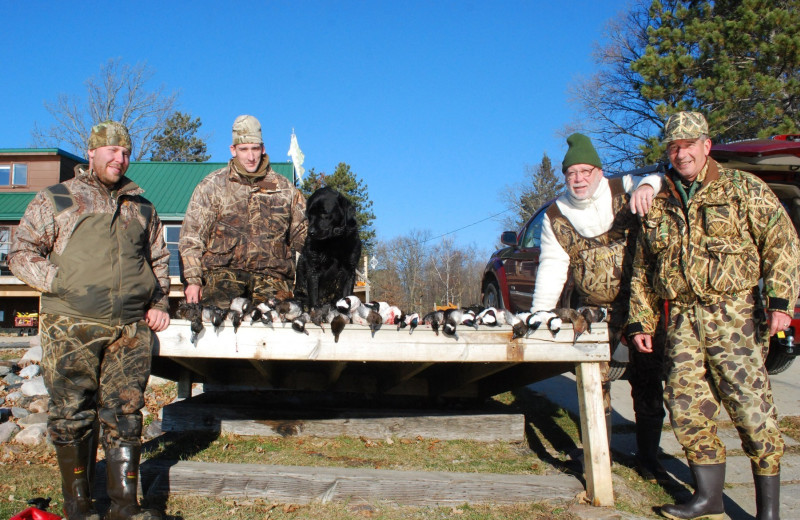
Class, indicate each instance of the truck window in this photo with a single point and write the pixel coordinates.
(533, 233)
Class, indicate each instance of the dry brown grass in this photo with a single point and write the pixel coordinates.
(30, 472)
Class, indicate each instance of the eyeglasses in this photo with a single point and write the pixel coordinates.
(583, 174)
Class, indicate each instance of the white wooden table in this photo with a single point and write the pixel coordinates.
(487, 350)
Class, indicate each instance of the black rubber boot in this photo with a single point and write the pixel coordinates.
(648, 439)
(122, 465)
(768, 491)
(706, 503)
(73, 462)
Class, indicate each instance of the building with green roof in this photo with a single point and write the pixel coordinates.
(26, 171)
(168, 185)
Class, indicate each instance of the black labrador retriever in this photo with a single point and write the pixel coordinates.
(326, 270)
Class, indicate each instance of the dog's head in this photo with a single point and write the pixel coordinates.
(330, 215)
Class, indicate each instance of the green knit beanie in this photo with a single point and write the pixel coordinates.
(580, 151)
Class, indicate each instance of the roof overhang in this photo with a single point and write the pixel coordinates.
(6, 152)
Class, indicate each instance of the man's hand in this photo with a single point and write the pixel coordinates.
(778, 321)
(642, 200)
(157, 320)
(193, 293)
(643, 342)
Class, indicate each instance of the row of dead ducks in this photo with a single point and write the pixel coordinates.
(377, 314)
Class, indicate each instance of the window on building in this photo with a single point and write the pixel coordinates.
(13, 174)
(5, 246)
(20, 177)
(171, 234)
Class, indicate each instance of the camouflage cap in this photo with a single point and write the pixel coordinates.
(109, 133)
(246, 129)
(685, 125)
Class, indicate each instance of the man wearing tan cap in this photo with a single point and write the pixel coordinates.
(711, 234)
(242, 227)
(95, 249)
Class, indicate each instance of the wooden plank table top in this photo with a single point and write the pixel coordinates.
(357, 343)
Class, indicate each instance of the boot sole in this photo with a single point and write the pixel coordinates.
(710, 516)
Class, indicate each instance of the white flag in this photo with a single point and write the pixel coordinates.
(297, 157)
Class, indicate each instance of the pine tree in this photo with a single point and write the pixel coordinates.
(178, 141)
(735, 61)
(541, 184)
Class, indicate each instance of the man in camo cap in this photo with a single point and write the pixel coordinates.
(242, 227)
(94, 247)
(711, 234)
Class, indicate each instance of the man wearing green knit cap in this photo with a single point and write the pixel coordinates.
(589, 231)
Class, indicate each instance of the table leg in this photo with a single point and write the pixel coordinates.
(596, 453)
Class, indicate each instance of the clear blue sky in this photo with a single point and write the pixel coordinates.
(435, 105)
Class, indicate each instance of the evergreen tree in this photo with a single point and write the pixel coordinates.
(178, 141)
(348, 184)
(736, 61)
(541, 184)
(312, 181)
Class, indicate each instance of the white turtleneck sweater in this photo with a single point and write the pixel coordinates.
(590, 217)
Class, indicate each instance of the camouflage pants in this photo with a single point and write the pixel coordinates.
(223, 285)
(92, 370)
(715, 356)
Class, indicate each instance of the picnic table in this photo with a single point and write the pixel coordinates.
(478, 362)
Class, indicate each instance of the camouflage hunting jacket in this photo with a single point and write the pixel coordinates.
(600, 265)
(94, 253)
(235, 224)
(733, 232)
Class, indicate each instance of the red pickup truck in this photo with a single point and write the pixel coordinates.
(510, 274)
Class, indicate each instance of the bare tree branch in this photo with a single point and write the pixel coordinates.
(119, 92)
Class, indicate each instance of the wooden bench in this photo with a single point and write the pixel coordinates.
(476, 362)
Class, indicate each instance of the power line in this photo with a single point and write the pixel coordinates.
(467, 226)
(420, 242)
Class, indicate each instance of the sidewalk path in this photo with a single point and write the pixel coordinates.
(17, 341)
(739, 492)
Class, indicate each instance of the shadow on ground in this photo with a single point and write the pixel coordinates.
(170, 448)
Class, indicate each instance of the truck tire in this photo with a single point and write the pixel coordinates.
(491, 295)
(616, 370)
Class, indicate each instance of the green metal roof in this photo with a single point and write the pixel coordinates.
(168, 185)
(12, 205)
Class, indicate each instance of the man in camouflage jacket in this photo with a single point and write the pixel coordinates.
(95, 249)
(711, 234)
(242, 227)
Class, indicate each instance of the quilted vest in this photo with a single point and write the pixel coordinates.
(601, 266)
